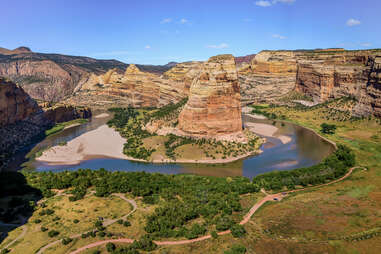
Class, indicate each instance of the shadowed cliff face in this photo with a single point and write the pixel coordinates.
(15, 104)
(214, 104)
(23, 121)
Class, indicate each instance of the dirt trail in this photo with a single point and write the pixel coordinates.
(246, 218)
(105, 224)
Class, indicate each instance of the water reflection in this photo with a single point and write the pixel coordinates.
(305, 149)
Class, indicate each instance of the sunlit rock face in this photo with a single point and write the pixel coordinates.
(270, 75)
(213, 107)
(183, 74)
(133, 88)
(354, 74)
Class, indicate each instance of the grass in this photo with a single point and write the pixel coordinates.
(61, 126)
(87, 211)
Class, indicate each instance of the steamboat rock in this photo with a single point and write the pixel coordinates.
(213, 107)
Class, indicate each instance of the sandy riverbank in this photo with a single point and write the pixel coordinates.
(101, 142)
(103, 115)
(105, 142)
(268, 131)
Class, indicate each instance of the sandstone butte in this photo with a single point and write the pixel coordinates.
(214, 104)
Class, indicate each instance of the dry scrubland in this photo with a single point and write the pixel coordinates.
(339, 218)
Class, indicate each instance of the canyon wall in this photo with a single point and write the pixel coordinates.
(214, 104)
(23, 121)
(53, 77)
(270, 75)
(330, 75)
(133, 88)
(15, 104)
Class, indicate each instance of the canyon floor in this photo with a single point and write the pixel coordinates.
(337, 218)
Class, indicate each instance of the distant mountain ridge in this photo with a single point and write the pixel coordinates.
(52, 77)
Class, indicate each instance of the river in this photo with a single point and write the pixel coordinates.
(304, 149)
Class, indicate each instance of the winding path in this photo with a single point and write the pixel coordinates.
(105, 224)
(246, 218)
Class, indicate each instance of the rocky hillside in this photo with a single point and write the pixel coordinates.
(132, 88)
(328, 75)
(23, 121)
(52, 77)
(213, 107)
(270, 75)
(15, 104)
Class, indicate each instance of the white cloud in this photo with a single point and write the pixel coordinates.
(183, 21)
(367, 44)
(219, 46)
(267, 3)
(353, 22)
(278, 36)
(147, 47)
(263, 3)
(166, 20)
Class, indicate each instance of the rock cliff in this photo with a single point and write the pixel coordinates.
(214, 104)
(23, 121)
(183, 74)
(133, 88)
(15, 104)
(330, 75)
(53, 77)
(270, 75)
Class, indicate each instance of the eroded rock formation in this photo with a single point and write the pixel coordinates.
(15, 104)
(270, 75)
(23, 121)
(214, 104)
(133, 88)
(330, 75)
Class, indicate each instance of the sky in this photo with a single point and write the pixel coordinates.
(160, 31)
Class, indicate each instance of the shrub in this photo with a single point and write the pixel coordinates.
(238, 230)
(66, 241)
(236, 249)
(97, 252)
(214, 234)
(126, 223)
(223, 223)
(110, 247)
(328, 128)
(120, 221)
(43, 229)
(53, 233)
(75, 221)
(37, 221)
(102, 234)
(144, 243)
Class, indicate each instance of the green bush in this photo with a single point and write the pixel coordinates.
(110, 247)
(126, 223)
(43, 229)
(66, 240)
(236, 249)
(37, 221)
(214, 234)
(75, 221)
(328, 128)
(238, 230)
(53, 233)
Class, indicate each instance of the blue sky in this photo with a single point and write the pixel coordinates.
(159, 31)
